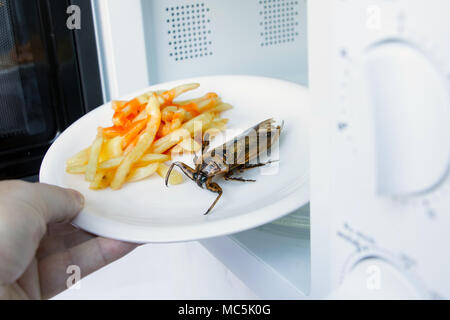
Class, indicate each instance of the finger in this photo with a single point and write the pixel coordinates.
(53, 204)
(60, 229)
(56, 205)
(88, 257)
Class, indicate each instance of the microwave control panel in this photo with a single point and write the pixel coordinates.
(390, 139)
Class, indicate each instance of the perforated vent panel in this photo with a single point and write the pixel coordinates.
(279, 22)
(189, 38)
(189, 33)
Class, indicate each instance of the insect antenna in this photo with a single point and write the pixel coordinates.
(188, 171)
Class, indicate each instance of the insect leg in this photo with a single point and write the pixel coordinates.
(238, 179)
(244, 167)
(213, 187)
(253, 166)
(206, 142)
(228, 177)
(188, 171)
(205, 146)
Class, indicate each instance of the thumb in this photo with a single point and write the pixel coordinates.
(53, 204)
(25, 211)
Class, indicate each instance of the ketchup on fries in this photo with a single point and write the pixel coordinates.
(146, 131)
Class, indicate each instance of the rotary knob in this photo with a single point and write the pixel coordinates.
(409, 97)
(376, 279)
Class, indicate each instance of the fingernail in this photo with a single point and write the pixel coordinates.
(79, 198)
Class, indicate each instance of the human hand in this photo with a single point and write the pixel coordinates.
(38, 244)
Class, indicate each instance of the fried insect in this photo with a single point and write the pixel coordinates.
(235, 155)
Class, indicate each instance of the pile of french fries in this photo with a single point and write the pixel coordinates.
(146, 133)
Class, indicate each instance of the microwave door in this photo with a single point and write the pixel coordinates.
(22, 109)
(27, 118)
(49, 78)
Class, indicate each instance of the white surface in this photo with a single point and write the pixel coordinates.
(136, 46)
(225, 37)
(287, 256)
(411, 231)
(277, 255)
(411, 107)
(184, 271)
(320, 57)
(258, 274)
(375, 279)
(145, 211)
(121, 46)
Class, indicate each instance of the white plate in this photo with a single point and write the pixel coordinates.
(147, 211)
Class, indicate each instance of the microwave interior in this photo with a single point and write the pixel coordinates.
(184, 39)
(260, 37)
(179, 39)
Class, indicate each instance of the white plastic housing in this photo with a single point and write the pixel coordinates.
(382, 110)
(375, 279)
(411, 108)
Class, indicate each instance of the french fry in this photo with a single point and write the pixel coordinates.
(96, 182)
(102, 180)
(111, 164)
(190, 145)
(207, 96)
(141, 116)
(171, 95)
(164, 130)
(168, 112)
(128, 152)
(212, 133)
(175, 177)
(76, 169)
(109, 175)
(221, 108)
(114, 147)
(134, 131)
(220, 124)
(111, 149)
(112, 132)
(177, 150)
(116, 104)
(94, 157)
(144, 143)
(144, 98)
(142, 173)
(151, 157)
(203, 119)
(80, 159)
(115, 163)
(176, 124)
(208, 104)
(184, 115)
(187, 130)
(145, 160)
(195, 109)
